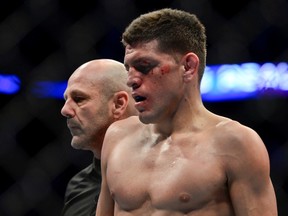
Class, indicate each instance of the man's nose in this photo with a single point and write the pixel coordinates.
(66, 110)
(134, 79)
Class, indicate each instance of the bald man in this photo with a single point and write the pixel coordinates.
(95, 97)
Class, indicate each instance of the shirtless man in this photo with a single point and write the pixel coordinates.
(178, 158)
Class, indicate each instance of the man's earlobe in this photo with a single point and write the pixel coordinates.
(187, 76)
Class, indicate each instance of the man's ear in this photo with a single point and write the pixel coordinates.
(191, 63)
(120, 101)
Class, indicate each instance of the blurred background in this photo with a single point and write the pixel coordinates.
(43, 42)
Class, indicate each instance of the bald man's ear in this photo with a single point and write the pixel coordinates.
(120, 100)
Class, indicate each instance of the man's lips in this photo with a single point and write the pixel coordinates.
(139, 98)
(71, 124)
(75, 131)
(140, 102)
(73, 127)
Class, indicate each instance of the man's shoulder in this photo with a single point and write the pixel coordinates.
(235, 138)
(129, 120)
(130, 123)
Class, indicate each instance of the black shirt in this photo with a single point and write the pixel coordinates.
(82, 191)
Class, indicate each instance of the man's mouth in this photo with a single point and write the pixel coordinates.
(139, 98)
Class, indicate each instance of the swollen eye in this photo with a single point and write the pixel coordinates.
(143, 69)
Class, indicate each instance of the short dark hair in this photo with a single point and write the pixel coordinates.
(175, 30)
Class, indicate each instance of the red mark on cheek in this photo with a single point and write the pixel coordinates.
(164, 69)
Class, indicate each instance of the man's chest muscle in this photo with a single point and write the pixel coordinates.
(168, 179)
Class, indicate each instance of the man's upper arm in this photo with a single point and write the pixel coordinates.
(250, 186)
(105, 205)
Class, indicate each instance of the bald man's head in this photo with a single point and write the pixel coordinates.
(108, 75)
(96, 96)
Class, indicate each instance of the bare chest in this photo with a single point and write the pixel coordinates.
(173, 176)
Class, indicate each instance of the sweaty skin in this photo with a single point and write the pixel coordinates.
(177, 158)
(185, 173)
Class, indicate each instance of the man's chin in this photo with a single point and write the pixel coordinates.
(145, 118)
(76, 144)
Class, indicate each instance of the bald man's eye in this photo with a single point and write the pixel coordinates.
(78, 99)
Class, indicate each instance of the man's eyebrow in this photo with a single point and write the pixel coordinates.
(140, 60)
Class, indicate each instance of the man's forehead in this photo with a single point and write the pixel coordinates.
(143, 45)
(140, 53)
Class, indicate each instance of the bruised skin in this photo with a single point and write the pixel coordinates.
(165, 69)
(177, 158)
